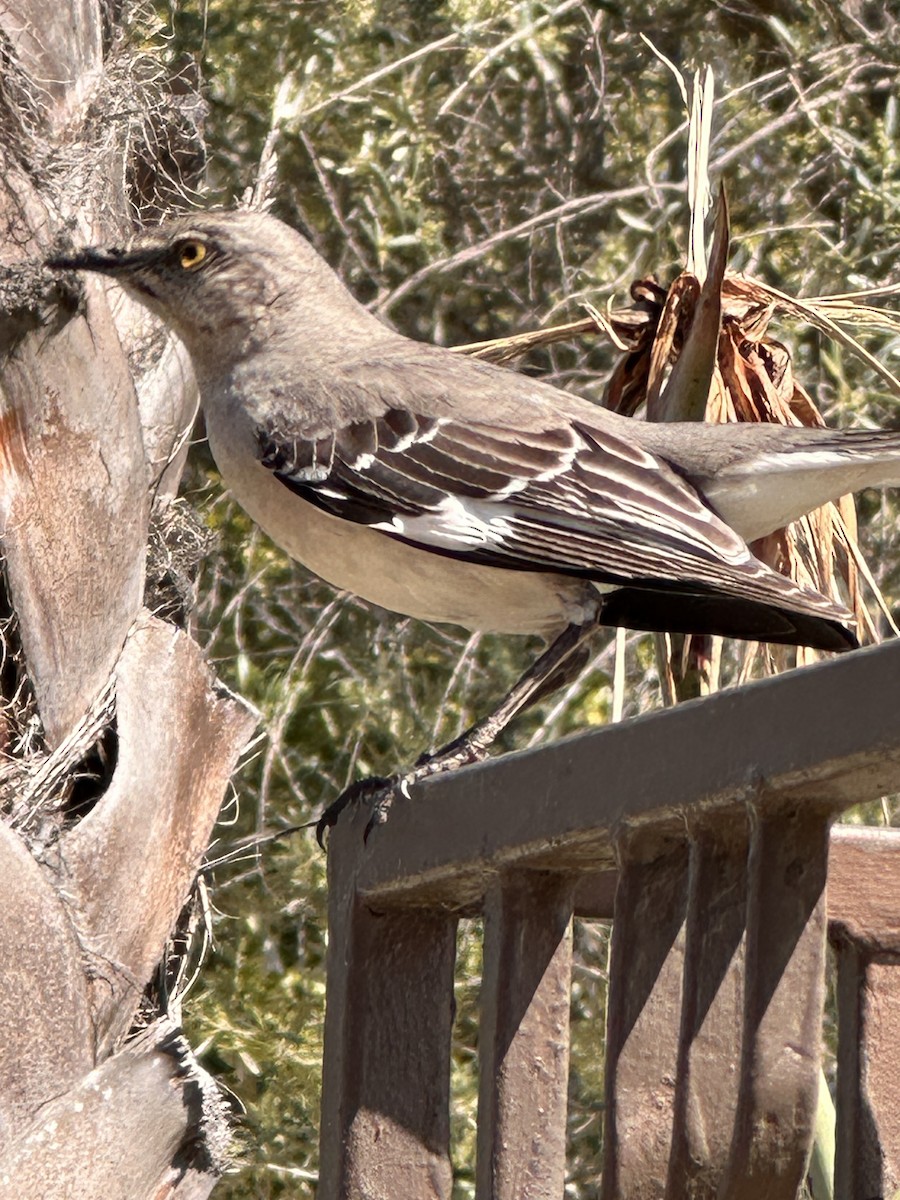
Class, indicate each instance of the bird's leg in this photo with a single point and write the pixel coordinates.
(557, 666)
(560, 662)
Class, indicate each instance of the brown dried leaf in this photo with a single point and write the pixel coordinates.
(676, 317)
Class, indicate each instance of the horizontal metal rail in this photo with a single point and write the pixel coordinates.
(828, 735)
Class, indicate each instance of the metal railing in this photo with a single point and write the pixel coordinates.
(706, 832)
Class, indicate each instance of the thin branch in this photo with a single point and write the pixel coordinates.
(578, 207)
(452, 41)
(492, 55)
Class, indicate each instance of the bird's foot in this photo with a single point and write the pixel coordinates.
(377, 791)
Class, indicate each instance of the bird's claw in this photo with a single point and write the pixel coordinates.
(379, 791)
(363, 790)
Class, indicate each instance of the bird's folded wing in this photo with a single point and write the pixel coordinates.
(568, 498)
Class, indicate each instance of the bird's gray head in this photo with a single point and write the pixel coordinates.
(221, 280)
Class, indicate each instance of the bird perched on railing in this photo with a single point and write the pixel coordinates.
(452, 490)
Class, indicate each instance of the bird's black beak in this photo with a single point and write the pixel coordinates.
(114, 261)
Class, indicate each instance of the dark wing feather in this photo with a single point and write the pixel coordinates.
(570, 499)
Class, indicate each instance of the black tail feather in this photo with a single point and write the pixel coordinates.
(728, 616)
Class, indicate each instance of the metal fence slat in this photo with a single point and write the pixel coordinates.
(524, 1037)
(643, 1016)
(864, 906)
(783, 1000)
(706, 1088)
(386, 1076)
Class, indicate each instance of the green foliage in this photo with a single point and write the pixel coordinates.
(548, 142)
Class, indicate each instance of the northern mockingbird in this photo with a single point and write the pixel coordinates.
(452, 490)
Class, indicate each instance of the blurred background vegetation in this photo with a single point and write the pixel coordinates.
(474, 168)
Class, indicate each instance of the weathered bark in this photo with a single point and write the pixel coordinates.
(94, 402)
(139, 1125)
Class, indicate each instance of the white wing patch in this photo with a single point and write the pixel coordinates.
(458, 524)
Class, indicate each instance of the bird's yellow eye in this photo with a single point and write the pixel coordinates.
(191, 254)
